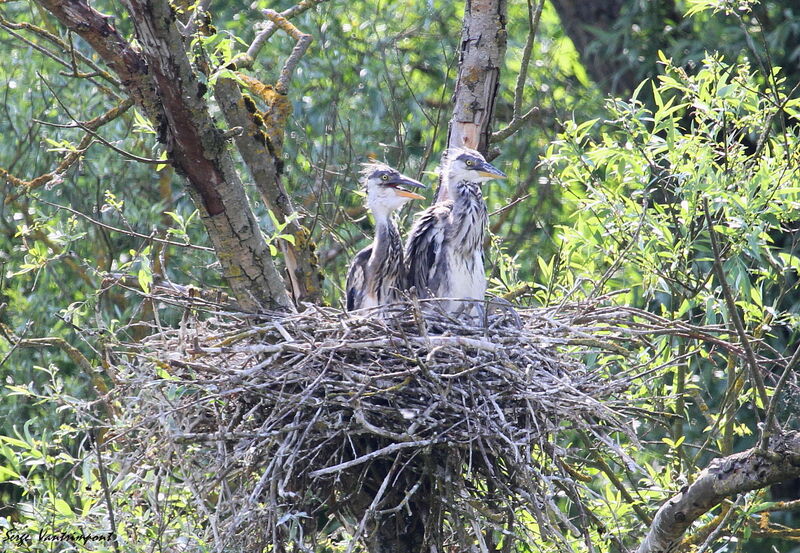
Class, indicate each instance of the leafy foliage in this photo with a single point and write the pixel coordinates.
(631, 178)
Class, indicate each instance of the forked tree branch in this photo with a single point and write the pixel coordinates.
(247, 59)
(162, 81)
(198, 151)
(303, 42)
(261, 145)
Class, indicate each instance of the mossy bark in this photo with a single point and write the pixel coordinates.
(258, 148)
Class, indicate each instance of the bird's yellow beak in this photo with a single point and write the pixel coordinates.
(486, 169)
(492, 175)
(399, 181)
(408, 194)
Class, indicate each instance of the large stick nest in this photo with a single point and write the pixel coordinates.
(423, 426)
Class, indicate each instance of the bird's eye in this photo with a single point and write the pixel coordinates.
(470, 163)
(385, 177)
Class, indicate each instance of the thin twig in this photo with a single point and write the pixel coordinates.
(755, 374)
(248, 59)
(106, 491)
(96, 136)
(769, 419)
(713, 536)
(517, 120)
(9, 27)
(123, 231)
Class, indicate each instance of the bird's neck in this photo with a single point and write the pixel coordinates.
(382, 215)
(385, 227)
(468, 218)
(386, 246)
(462, 190)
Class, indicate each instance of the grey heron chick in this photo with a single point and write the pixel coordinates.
(444, 251)
(377, 273)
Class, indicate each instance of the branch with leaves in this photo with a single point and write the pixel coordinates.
(163, 82)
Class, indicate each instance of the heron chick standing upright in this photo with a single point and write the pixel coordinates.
(377, 273)
(444, 251)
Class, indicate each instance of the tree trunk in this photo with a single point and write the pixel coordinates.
(483, 47)
(161, 80)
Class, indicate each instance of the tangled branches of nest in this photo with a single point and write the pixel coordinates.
(411, 427)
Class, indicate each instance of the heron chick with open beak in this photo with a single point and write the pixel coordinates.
(377, 273)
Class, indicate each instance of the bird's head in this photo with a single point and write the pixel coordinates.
(387, 189)
(464, 164)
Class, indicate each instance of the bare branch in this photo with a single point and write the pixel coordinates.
(516, 124)
(261, 147)
(303, 42)
(99, 31)
(724, 477)
(517, 120)
(161, 79)
(247, 59)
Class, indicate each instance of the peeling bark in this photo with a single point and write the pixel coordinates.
(483, 47)
(160, 78)
(743, 472)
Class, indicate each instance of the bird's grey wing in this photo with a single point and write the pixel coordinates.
(357, 279)
(423, 255)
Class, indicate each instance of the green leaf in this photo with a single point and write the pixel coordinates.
(62, 507)
(7, 474)
(163, 156)
(145, 274)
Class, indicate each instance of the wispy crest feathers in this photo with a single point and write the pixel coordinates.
(369, 167)
(453, 153)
